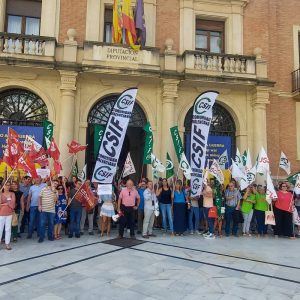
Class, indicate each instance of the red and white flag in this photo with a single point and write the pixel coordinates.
(14, 149)
(53, 150)
(86, 197)
(75, 147)
(25, 163)
(39, 157)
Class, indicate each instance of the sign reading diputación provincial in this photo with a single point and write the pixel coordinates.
(112, 141)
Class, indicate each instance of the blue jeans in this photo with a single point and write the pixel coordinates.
(75, 217)
(210, 221)
(260, 219)
(194, 211)
(166, 212)
(47, 217)
(201, 216)
(34, 216)
(228, 218)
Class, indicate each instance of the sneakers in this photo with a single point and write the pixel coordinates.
(192, 232)
(210, 236)
(206, 234)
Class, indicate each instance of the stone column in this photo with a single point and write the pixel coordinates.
(169, 96)
(67, 116)
(187, 29)
(2, 14)
(92, 32)
(259, 101)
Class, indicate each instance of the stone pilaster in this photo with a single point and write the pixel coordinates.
(2, 14)
(169, 96)
(67, 116)
(259, 101)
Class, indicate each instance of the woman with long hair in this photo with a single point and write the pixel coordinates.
(164, 194)
(249, 200)
(260, 207)
(179, 209)
(7, 206)
(60, 211)
(19, 209)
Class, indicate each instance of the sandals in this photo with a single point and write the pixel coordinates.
(7, 247)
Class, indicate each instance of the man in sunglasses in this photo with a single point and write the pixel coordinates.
(128, 202)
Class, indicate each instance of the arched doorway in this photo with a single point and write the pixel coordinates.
(222, 132)
(134, 140)
(22, 107)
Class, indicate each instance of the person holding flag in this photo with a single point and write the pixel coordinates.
(261, 206)
(249, 199)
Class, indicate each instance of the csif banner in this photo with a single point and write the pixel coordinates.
(202, 115)
(112, 141)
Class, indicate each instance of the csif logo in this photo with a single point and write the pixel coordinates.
(125, 101)
(169, 165)
(102, 173)
(195, 185)
(202, 105)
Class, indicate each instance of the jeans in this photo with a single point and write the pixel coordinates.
(228, 218)
(6, 221)
(201, 216)
(90, 220)
(260, 219)
(148, 221)
(247, 221)
(194, 211)
(75, 217)
(47, 217)
(166, 212)
(127, 220)
(34, 216)
(210, 221)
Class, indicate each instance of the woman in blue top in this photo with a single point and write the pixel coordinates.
(60, 211)
(179, 209)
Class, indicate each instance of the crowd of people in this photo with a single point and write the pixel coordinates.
(38, 205)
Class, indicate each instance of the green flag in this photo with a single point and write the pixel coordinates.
(244, 157)
(48, 133)
(75, 169)
(177, 142)
(293, 178)
(98, 135)
(148, 149)
(169, 167)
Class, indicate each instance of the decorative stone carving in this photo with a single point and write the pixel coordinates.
(71, 33)
(68, 80)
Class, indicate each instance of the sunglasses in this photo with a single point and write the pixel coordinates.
(283, 186)
(60, 189)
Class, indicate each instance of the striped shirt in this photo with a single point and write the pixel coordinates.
(48, 199)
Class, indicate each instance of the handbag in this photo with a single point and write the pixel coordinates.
(14, 220)
(269, 217)
(212, 213)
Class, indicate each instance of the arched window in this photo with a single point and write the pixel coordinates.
(222, 124)
(22, 107)
(100, 113)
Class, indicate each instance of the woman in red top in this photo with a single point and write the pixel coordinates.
(283, 212)
(7, 205)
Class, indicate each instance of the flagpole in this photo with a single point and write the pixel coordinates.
(68, 158)
(73, 197)
(73, 161)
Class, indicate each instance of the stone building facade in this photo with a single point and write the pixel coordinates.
(60, 51)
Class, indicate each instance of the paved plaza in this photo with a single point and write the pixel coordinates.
(164, 267)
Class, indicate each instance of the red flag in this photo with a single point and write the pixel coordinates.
(25, 163)
(53, 150)
(75, 147)
(14, 149)
(57, 166)
(86, 197)
(39, 157)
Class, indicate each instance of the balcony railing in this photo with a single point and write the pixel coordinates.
(11, 43)
(114, 55)
(296, 81)
(214, 63)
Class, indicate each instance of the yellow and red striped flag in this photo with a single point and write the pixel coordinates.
(128, 24)
(117, 22)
